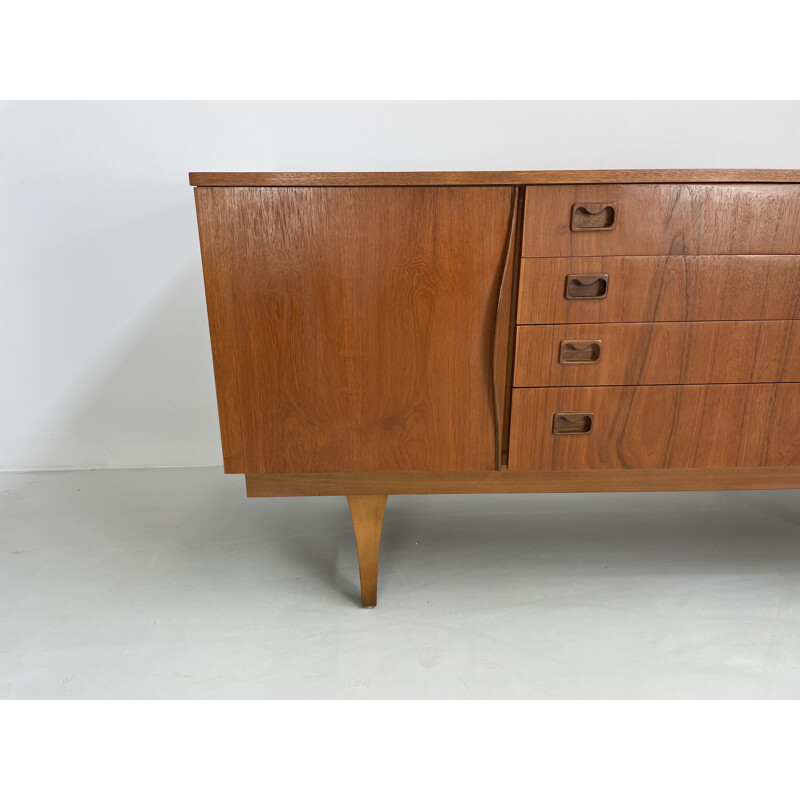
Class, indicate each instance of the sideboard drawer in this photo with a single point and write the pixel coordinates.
(658, 288)
(661, 352)
(654, 427)
(661, 219)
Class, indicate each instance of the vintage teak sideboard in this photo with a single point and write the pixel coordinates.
(449, 332)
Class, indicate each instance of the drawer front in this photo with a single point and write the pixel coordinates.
(661, 219)
(661, 352)
(654, 427)
(658, 288)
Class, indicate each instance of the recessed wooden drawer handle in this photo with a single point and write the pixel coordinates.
(572, 423)
(594, 216)
(579, 351)
(586, 287)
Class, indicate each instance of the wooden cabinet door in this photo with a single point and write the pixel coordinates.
(352, 329)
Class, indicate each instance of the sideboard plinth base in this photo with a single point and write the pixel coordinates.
(514, 481)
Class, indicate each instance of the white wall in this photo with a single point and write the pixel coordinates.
(104, 348)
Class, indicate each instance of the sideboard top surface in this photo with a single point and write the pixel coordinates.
(493, 178)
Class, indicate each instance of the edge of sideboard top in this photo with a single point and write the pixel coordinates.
(493, 178)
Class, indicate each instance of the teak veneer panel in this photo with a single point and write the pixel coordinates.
(663, 288)
(676, 219)
(636, 353)
(516, 481)
(656, 427)
(507, 178)
(353, 329)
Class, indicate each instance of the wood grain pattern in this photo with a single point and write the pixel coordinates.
(655, 427)
(508, 320)
(355, 326)
(517, 481)
(366, 512)
(677, 219)
(507, 178)
(663, 288)
(502, 363)
(636, 353)
(218, 277)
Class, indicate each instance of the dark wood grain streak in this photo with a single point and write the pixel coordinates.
(656, 427)
(677, 219)
(507, 178)
(636, 353)
(358, 324)
(663, 288)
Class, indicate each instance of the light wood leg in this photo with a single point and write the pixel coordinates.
(366, 511)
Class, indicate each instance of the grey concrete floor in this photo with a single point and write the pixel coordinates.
(170, 583)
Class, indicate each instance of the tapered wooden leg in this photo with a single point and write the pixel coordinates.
(366, 511)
